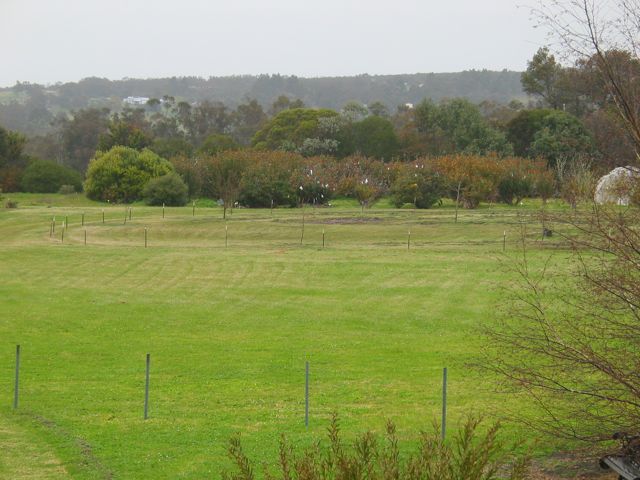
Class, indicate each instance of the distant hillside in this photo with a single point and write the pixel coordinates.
(27, 107)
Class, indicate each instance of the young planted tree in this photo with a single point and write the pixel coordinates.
(470, 178)
(267, 180)
(366, 193)
(419, 185)
(363, 178)
(311, 180)
(224, 171)
(522, 178)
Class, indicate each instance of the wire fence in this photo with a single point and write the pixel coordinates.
(147, 397)
(533, 231)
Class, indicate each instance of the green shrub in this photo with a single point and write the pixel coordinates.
(260, 191)
(44, 176)
(544, 185)
(469, 456)
(268, 179)
(515, 186)
(417, 185)
(168, 189)
(120, 174)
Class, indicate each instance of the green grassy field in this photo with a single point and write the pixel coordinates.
(229, 329)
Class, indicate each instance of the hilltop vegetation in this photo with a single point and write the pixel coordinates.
(29, 108)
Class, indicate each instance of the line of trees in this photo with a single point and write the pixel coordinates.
(179, 130)
(278, 178)
(283, 168)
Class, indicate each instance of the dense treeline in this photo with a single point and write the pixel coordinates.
(270, 179)
(502, 144)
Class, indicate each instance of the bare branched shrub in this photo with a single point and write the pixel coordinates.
(576, 181)
(570, 337)
(471, 455)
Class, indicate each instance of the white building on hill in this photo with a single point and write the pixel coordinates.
(136, 100)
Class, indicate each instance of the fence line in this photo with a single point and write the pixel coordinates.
(532, 238)
(307, 384)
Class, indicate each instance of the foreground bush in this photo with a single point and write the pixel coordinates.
(470, 456)
(44, 176)
(168, 189)
(120, 174)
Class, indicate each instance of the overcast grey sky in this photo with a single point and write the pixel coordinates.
(46, 41)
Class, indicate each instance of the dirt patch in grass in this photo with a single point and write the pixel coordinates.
(349, 220)
(89, 459)
(318, 220)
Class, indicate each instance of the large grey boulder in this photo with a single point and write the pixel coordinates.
(617, 185)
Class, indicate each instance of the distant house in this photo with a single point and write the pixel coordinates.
(136, 100)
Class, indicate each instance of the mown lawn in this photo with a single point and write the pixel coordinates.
(229, 328)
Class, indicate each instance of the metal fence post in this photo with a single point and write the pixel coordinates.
(444, 403)
(306, 395)
(146, 388)
(17, 383)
